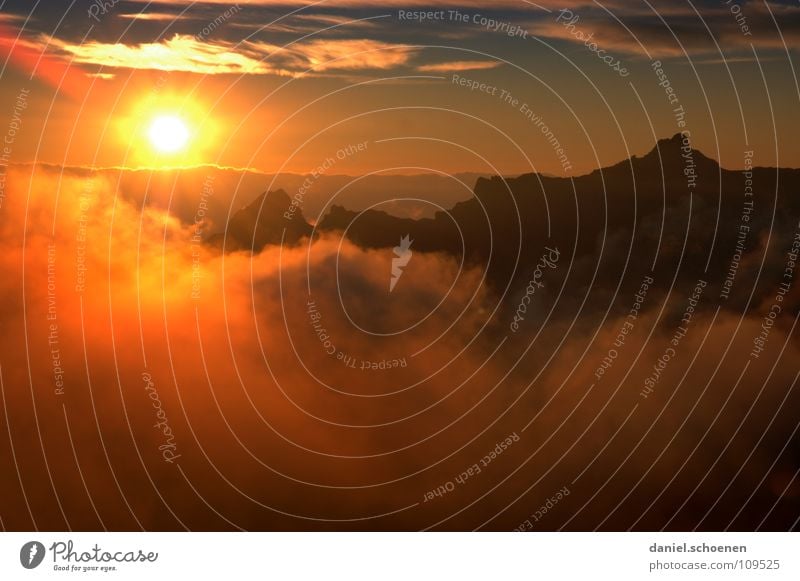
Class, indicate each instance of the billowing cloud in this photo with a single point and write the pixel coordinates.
(166, 386)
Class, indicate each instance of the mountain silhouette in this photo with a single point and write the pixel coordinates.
(673, 210)
(268, 220)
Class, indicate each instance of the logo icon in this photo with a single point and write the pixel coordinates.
(404, 254)
(32, 554)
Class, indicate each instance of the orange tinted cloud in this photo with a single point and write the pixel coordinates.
(31, 58)
(518, 4)
(673, 31)
(322, 55)
(183, 53)
(155, 16)
(179, 53)
(459, 66)
(275, 432)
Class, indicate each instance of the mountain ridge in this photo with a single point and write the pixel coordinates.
(642, 215)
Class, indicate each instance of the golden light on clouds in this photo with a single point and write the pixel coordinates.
(355, 54)
(190, 54)
(459, 66)
(179, 53)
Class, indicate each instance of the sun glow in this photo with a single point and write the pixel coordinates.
(168, 134)
(168, 130)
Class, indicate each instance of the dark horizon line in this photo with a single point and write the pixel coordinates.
(251, 170)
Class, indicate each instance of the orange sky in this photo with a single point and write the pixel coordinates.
(262, 88)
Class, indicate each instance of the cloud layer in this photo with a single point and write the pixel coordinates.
(283, 391)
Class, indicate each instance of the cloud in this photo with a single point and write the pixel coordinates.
(676, 31)
(459, 66)
(289, 4)
(31, 57)
(179, 53)
(276, 432)
(324, 55)
(182, 53)
(131, 245)
(15, 18)
(155, 16)
(333, 20)
(102, 76)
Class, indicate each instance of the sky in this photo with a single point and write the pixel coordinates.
(284, 86)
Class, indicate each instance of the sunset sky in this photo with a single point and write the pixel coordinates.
(281, 86)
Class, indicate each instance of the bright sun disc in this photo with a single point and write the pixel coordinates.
(168, 134)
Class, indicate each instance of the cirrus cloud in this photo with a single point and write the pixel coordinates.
(459, 66)
(182, 53)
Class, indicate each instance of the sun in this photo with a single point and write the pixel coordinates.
(168, 130)
(168, 134)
